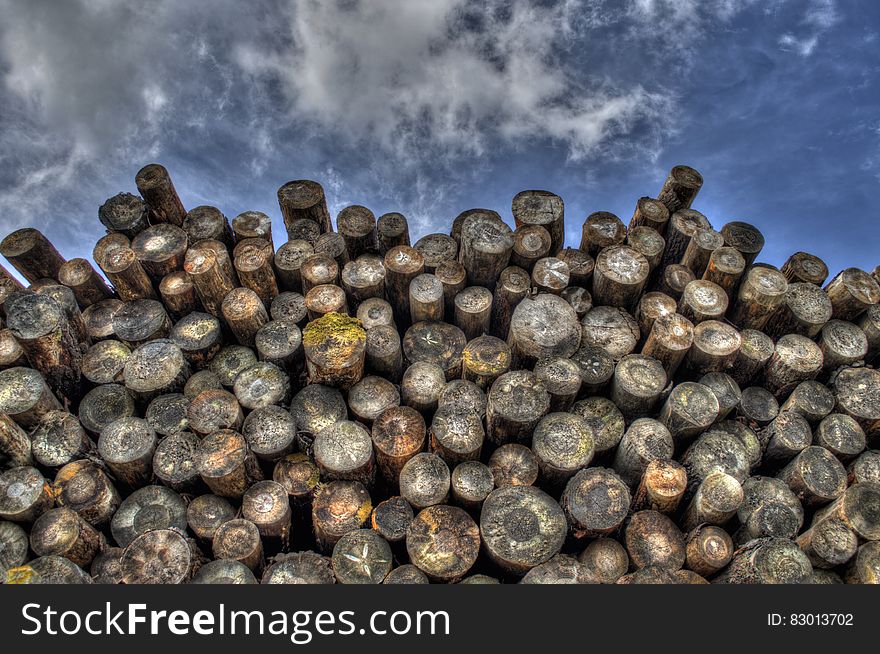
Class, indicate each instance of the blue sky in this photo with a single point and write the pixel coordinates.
(430, 107)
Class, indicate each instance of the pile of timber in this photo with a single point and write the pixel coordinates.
(224, 405)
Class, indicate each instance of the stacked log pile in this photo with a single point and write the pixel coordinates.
(224, 405)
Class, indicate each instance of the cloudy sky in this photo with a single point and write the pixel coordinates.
(430, 107)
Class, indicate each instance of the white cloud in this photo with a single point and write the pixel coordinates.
(819, 17)
(803, 46)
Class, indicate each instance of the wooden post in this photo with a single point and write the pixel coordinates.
(601, 229)
(544, 209)
(805, 268)
(304, 199)
(303, 229)
(333, 245)
(364, 278)
(124, 213)
(595, 502)
(804, 310)
(211, 277)
(683, 226)
(530, 243)
(647, 242)
(11, 354)
(146, 509)
(266, 505)
(755, 351)
(673, 279)
(563, 444)
(715, 451)
(516, 402)
(127, 446)
(392, 230)
(596, 367)
(473, 311)
(199, 337)
(213, 410)
(784, 437)
(426, 298)
(815, 476)
(252, 224)
(206, 513)
(680, 188)
(253, 265)
(855, 509)
(744, 238)
(761, 292)
(239, 540)
(606, 559)
(344, 451)
(361, 556)
(726, 390)
(376, 312)
(156, 368)
(562, 379)
(125, 272)
(443, 542)
(851, 292)
(486, 245)
(471, 483)
(863, 568)
(49, 340)
(796, 359)
(521, 527)
(465, 395)
(652, 539)
(543, 326)
(402, 265)
(869, 323)
(512, 287)
(513, 465)
(579, 298)
(484, 359)
(288, 263)
(453, 278)
(103, 405)
(141, 321)
(31, 254)
(86, 284)
(207, 223)
(199, 382)
(160, 249)
(651, 306)
(316, 270)
(810, 399)
(155, 186)
(638, 382)
(828, 544)
(842, 344)
(179, 294)
(357, 225)
(646, 440)
(725, 268)
(700, 248)
(550, 275)
(716, 501)
(438, 343)
(436, 248)
(384, 354)
(299, 568)
(324, 299)
(702, 300)
(650, 213)
(279, 342)
(689, 409)
(715, 347)
(424, 480)
(174, 462)
(166, 414)
(25, 397)
(421, 385)
(339, 507)
(98, 319)
(262, 384)
(244, 313)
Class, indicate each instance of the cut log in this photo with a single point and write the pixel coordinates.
(680, 188)
(179, 294)
(436, 248)
(155, 186)
(125, 272)
(805, 268)
(443, 542)
(561, 378)
(199, 337)
(304, 199)
(207, 223)
(486, 245)
(104, 405)
(530, 243)
(141, 321)
(516, 402)
(426, 298)
(683, 225)
(796, 359)
(650, 213)
(541, 208)
(31, 254)
(725, 268)
(160, 249)
(87, 285)
(392, 230)
(209, 274)
(402, 265)
(512, 287)
(851, 292)
(689, 410)
(595, 502)
(124, 213)
(425, 480)
(601, 229)
(647, 242)
(288, 263)
(715, 347)
(744, 238)
(755, 351)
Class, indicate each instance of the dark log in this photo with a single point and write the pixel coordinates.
(708, 549)
(406, 574)
(270, 433)
(869, 323)
(453, 278)
(652, 539)
(810, 399)
(344, 451)
(25, 397)
(761, 292)
(550, 275)
(252, 224)
(443, 542)
(512, 287)
(725, 268)
(673, 279)
(486, 245)
(650, 213)
(398, 434)
(303, 229)
(333, 245)
(206, 513)
(562, 380)
(57, 440)
(207, 223)
(11, 354)
(857, 391)
(544, 326)
(244, 313)
(471, 483)
(155, 186)
(84, 487)
(601, 229)
(866, 467)
(689, 410)
(514, 465)
(174, 462)
(516, 402)
(392, 230)
(376, 312)
(370, 397)
(604, 418)
(288, 263)
(804, 310)
(651, 575)
(715, 347)
(563, 444)
(684, 224)
(402, 265)
(289, 306)
(124, 213)
(726, 391)
(31, 254)
(638, 382)
(680, 188)
(13, 547)
(464, 395)
(199, 337)
(716, 500)
(857, 509)
(304, 199)
(357, 226)
(579, 298)
(391, 519)
(805, 268)
(841, 435)
(863, 568)
(842, 344)
(15, 446)
(767, 561)
(104, 405)
(436, 248)
(226, 464)
(425, 480)
(786, 436)
(473, 311)
(647, 242)
(541, 208)
(595, 502)
(224, 571)
(213, 410)
(338, 508)
(156, 368)
(580, 265)
(744, 238)
(87, 285)
(98, 319)
(125, 272)
(127, 446)
(435, 342)
(700, 248)
(828, 544)
(426, 298)
(179, 294)
(646, 440)
(48, 570)
(253, 265)
(755, 351)
(266, 505)
(746, 436)
(199, 382)
(262, 384)
(279, 342)
(815, 476)
(140, 322)
(384, 354)
(795, 360)
(361, 557)
(455, 435)
(421, 385)
(24, 494)
(299, 568)
(314, 408)
(851, 292)
(167, 414)
(530, 243)
(239, 540)
(364, 278)
(606, 559)
(107, 243)
(521, 527)
(146, 509)
(715, 451)
(160, 249)
(210, 275)
(51, 342)
(651, 306)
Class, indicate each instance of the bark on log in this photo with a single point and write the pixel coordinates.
(154, 184)
(31, 254)
(601, 229)
(124, 213)
(680, 188)
(541, 208)
(304, 199)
